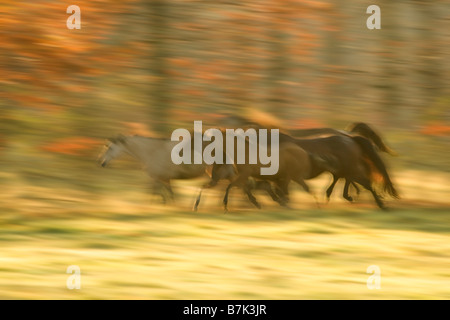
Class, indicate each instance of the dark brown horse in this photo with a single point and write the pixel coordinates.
(355, 129)
(295, 164)
(219, 172)
(355, 160)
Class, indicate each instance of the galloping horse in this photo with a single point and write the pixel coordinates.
(355, 160)
(294, 164)
(155, 155)
(354, 130)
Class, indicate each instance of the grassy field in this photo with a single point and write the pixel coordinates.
(128, 246)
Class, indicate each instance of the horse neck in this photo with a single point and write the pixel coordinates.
(140, 148)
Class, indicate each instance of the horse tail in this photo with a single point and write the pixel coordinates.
(364, 130)
(375, 164)
(298, 133)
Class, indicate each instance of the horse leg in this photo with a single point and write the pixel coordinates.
(240, 181)
(225, 199)
(276, 196)
(356, 188)
(169, 188)
(282, 190)
(157, 189)
(251, 197)
(307, 189)
(365, 182)
(165, 186)
(346, 188)
(266, 186)
(331, 187)
(281, 200)
(280, 194)
(218, 173)
(197, 200)
(345, 193)
(378, 200)
(210, 184)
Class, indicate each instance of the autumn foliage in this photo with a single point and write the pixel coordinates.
(150, 66)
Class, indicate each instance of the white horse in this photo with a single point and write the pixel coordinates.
(155, 155)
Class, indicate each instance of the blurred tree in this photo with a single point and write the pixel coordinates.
(161, 84)
(429, 68)
(278, 61)
(162, 63)
(333, 59)
(391, 41)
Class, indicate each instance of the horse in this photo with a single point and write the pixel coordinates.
(228, 172)
(354, 129)
(352, 157)
(355, 160)
(295, 164)
(155, 155)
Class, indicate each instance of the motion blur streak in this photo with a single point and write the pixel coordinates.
(147, 67)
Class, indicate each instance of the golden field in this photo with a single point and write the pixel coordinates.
(129, 246)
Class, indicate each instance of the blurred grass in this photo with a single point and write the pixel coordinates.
(128, 246)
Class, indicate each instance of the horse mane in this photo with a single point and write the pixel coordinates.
(364, 130)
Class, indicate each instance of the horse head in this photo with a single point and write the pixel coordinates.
(112, 149)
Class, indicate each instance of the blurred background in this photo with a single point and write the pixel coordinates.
(148, 67)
